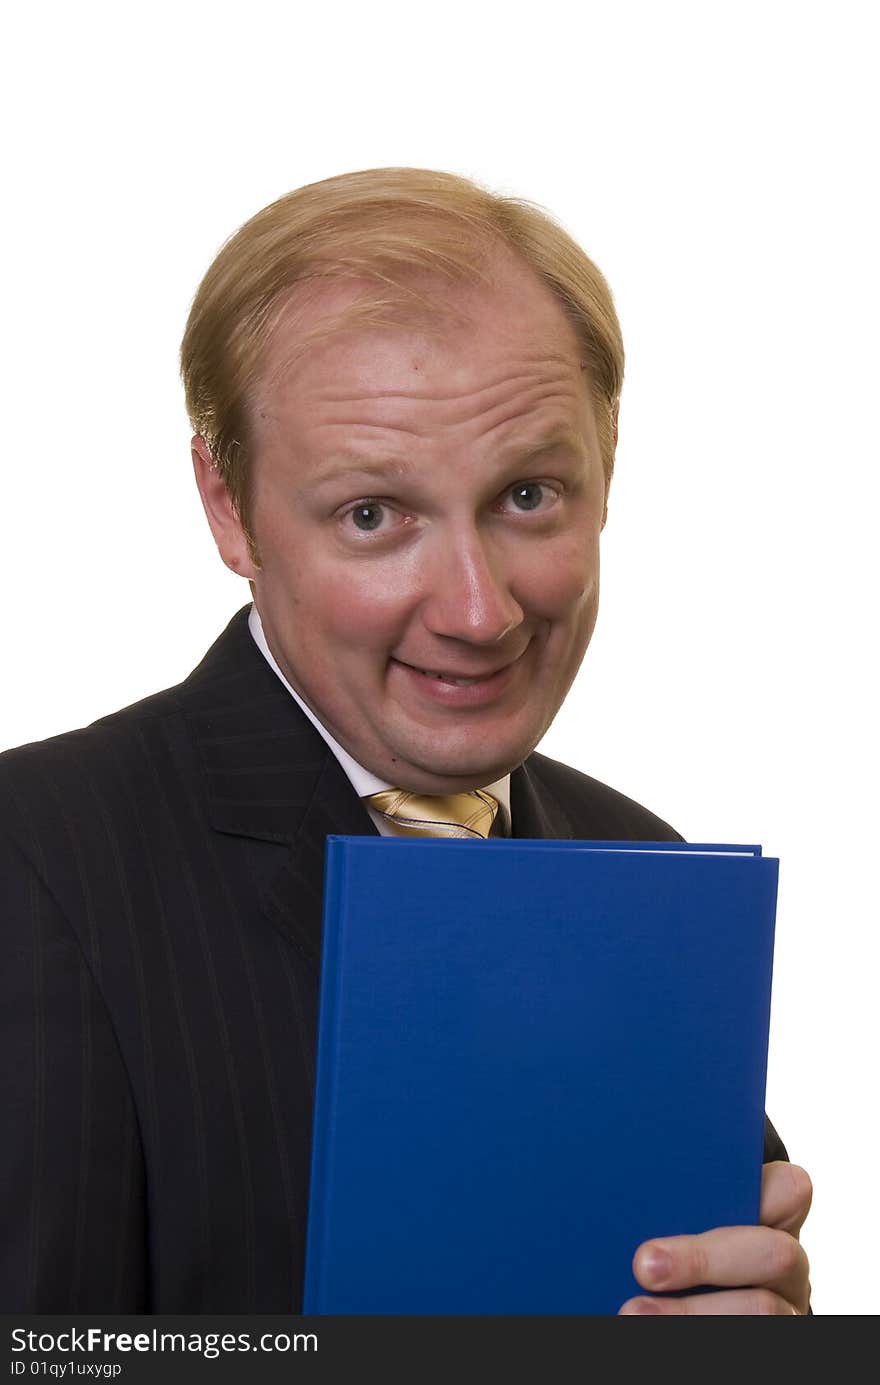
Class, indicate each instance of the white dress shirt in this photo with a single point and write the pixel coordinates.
(362, 781)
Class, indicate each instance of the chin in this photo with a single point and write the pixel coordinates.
(457, 772)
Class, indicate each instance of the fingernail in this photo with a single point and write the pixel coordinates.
(641, 1306)
(656, 1265)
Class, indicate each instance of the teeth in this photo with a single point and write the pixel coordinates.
(443, 677)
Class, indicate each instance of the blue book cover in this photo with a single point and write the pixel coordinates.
(532, 1056)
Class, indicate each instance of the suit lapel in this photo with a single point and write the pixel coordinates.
(295, 899)
(269, 775)
(535, 815)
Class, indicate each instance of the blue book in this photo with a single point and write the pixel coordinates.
(532, 1056)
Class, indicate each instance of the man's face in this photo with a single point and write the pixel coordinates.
(427, 585)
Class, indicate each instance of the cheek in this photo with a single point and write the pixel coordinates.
(357, 608)
(338, 602)
(562, 583)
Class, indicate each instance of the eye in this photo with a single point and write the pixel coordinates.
(370, 516)
(367, 516)
(526, 496)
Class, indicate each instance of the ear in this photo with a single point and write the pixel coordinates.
(229, 536)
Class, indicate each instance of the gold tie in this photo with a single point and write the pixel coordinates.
(428, 815)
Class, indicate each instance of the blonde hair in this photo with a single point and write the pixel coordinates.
(390, 226)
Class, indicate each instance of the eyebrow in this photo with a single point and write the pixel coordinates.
(547, 442)
(340, 464)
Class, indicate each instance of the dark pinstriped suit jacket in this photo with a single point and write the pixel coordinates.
(161, 898)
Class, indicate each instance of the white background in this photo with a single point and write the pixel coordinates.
(719, 162)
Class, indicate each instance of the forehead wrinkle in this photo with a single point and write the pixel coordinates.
(542, 384)
(546, 389)
(358, 425)
(339, 465)
(516, 364)
(326, 395)
(530, 430)
(535, 443)
(544, 415)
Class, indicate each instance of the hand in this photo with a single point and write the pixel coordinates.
(759, 1269)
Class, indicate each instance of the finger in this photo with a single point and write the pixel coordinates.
(736, 1302)
(786, 1195)
(727, 1256)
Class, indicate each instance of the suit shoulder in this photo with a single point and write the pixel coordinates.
(113, 726)
(596, 811)
(114, 748)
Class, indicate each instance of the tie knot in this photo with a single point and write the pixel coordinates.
(436, 815)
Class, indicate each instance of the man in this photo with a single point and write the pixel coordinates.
(404, 391)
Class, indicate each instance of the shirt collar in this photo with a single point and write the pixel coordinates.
(362, 781)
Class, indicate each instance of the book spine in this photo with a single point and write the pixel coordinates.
(335, 874)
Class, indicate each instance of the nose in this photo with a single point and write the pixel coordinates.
(469, 596)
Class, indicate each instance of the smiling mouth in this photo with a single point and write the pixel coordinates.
(453, 678)
(448, 678)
